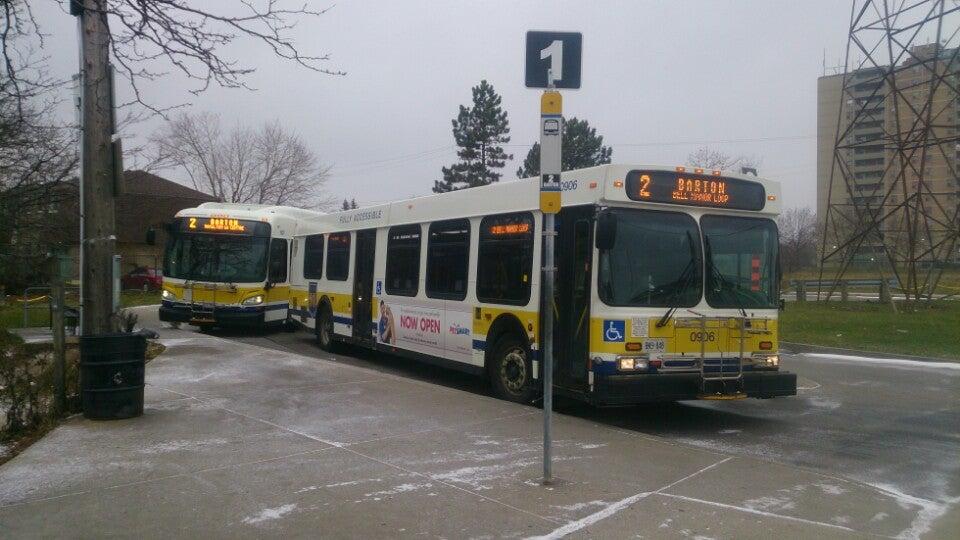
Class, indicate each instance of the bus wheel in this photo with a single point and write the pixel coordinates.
(510, 371)
(325, 330)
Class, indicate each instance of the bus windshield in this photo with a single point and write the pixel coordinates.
(216, 257)
(741, 262)
(655, 261)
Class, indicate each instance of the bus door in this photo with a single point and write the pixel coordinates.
(572, 327)
(363, 285)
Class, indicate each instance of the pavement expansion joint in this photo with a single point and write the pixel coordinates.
(449, 429)
(617, 506)
(757, 512)
(167, 477)
(344, 446)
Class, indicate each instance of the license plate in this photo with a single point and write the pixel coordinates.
(654, 345)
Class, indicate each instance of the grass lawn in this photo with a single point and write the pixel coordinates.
(11, 315)
(920, 329)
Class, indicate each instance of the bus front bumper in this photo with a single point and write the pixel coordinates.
(620, 390)
(213, 316)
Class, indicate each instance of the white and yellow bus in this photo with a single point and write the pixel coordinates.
(228, 264)
(667, 284)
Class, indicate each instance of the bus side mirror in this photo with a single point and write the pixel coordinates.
(606, 230)
(151, 236)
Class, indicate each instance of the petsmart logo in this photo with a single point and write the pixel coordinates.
(458, 330)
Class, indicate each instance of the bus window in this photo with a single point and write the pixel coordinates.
(278, 261)
(741, 262)
(403, 260)
(505, 258)
(338, 256)
(654, 262)
(313, 257)
(448, 256)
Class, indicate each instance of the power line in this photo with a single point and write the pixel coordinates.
(400, 158)
(433, 153)
(720, 141)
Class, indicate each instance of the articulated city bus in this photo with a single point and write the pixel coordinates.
(667, 284)
(228, 264)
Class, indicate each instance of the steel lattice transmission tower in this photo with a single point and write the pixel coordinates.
(893, 199)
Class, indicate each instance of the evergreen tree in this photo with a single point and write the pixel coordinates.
(479, 132)
(349, 205)
(582, 147)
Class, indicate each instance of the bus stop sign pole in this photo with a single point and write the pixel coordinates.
(553, 60)
(551, 129)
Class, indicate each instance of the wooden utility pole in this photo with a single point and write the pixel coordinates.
(97, 175)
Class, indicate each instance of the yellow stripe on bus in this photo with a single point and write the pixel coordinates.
(684, 336)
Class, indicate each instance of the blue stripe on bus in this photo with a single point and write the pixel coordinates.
(300, 312)
(481, 345)
(228, 309)
(306, 313)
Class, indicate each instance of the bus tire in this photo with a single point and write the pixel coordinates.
(324, 329)
(510, 370)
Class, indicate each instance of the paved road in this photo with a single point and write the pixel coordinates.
(244, 441)
(894, 425)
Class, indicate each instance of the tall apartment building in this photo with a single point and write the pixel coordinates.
(872, 117)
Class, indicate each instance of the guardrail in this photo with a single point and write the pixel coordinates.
(37, 299)
(842, 287)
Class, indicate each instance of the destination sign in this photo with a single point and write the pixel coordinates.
(510, 228)
(695, 189)
(222, 224)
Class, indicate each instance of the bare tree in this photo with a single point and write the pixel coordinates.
(708, 158)
(798, 239)
(148, 37)
(36, 156)
(267, 165)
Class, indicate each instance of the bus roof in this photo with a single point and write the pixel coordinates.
(286, 220)
(601, 185)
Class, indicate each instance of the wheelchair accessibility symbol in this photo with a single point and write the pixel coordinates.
(613, 330)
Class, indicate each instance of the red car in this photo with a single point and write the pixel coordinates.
(146, 279)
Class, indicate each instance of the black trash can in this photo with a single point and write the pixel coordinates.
(111, 375)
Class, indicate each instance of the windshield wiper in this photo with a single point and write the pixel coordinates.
(683, 281)
(721, 278)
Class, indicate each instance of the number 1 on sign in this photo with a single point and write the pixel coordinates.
(555, 52)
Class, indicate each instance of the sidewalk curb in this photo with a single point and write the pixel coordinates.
(810, 348)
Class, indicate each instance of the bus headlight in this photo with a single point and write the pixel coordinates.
(167, 295)
(631, 363)
(253, 300)
(768, 361)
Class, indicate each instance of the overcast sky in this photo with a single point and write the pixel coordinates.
(659, 80)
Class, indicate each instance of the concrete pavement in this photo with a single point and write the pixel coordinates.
(244, 441)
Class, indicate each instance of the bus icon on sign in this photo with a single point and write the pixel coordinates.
(551, 127)
(550, 182)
